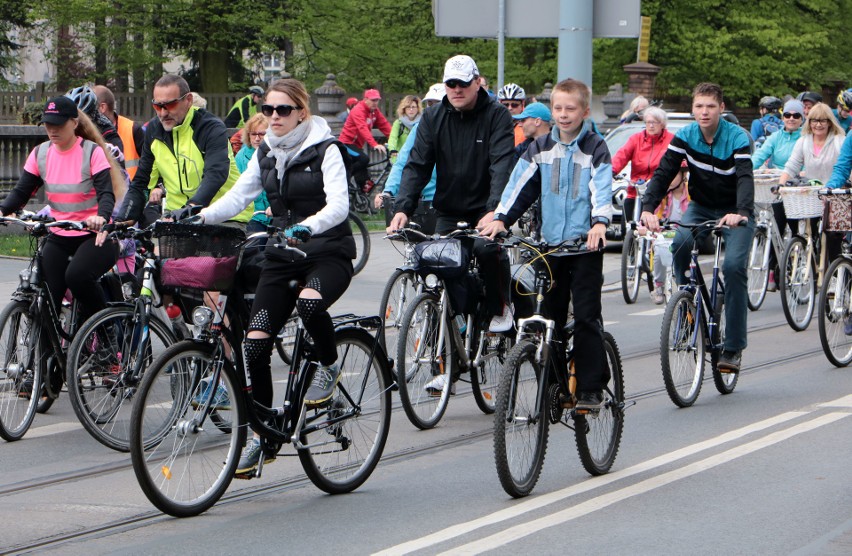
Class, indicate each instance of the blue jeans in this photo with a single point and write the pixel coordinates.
(734, 269)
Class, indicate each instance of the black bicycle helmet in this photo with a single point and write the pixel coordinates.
(510, 91)
(844, 99)
(773, 104)
(85, 99)
(809, 96)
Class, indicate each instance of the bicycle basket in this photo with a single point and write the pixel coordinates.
(764, 181)
(801, 202)
(838, 213)
(205, 257)
(445, 258)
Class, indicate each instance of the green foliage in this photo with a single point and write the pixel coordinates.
(14, 14)
(31, 113)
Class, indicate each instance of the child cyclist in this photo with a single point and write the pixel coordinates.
(570, 169)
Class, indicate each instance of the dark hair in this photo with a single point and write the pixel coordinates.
(295, 89)
(172, 79)
(708, 90)
(105, 96)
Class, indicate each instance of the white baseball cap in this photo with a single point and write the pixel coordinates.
(460, 67)
(436, 92)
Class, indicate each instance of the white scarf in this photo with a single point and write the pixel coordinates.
(284, 147)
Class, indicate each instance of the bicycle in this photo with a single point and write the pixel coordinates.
(638, 257)
(184, 466)
(835, 295)
(34, 334)
(443, 336)
(403, 285)
(361, 200)
(767, 238)
(693, 324)
(361, 235)
(534, 393)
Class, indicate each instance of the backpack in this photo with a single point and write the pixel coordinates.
(345, 154)
(771, 124)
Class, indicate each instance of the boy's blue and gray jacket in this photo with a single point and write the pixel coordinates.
(574, 181)
(720, 173)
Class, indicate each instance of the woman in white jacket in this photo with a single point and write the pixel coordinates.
(816, 151)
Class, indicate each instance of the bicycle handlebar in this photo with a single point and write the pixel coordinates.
(275, 231)
(34, 222)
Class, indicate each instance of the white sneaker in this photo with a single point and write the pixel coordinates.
(504, 322)
(437, 385)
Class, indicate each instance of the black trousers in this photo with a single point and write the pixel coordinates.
(359, 166)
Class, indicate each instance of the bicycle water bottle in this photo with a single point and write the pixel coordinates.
(178, 324)
(461, 322)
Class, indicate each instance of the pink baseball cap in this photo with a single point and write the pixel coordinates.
(372, 94)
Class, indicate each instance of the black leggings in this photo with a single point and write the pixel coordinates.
(76, 263)
(274, 302)
(359, 166)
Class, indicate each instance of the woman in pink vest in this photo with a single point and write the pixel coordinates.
(81, 183)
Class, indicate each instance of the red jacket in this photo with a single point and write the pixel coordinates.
(644, 152)
(359, 124)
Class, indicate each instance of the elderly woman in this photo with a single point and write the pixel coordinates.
(407, 114)
(643, 151)
(777, 148)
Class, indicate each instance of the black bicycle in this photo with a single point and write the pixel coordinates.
(361, 200)
(186, 441)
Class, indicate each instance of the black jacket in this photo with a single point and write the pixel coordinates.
(474, 155)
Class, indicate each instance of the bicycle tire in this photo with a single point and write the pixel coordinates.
(682, 349)
(598, 435)
(17, 409)
(485, 380)
(725, 382)
(400, 290)
(521, 421)
(835, 298)
(631, 268)
(758, 274)
(419, 332)
(286, 338)
(168, 437)
(100, 380)
(360, 439)
(798, 285)
(362, 242)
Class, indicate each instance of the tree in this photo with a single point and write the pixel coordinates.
(14, 15)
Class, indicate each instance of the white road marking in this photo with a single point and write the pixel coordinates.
(845, 401)
(649, 312)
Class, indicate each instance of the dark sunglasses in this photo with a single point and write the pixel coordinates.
(169, 104)
(793, 115)
(456, 83)
(511, 104)
(282, 110)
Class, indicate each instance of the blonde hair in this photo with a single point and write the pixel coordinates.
(88, 130)
(254, 122)
(575, 87)
(405, 102)
(821, 111)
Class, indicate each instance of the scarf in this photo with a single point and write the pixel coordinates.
(284, 147)
(408, 122)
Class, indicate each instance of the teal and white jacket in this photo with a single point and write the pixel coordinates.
(573, 179)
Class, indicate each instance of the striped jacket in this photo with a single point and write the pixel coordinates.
(720, 173)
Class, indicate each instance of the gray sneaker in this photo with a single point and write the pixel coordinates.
(730, 361)
(251, 456)
(322, 386)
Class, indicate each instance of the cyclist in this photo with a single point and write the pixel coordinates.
(808, 99)
(408, 114)
(252, 136)
(844, 106)
(636, 110)
(721, 187)
(513, 97)
(301, 168)
(244, 108)
(87, 101)
(357, 130)
(570, 170)
(468, 140)
(769, 122)
(534, 122)
(671, 210)
(778, 146)
(132, 133)
(82, 182)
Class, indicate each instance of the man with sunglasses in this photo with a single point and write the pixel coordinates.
(513, 97)
(358, 130)
(468, 139)
(187, 148)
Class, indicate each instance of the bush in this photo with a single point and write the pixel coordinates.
(31, 113)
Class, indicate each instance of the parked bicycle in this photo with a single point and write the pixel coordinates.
(534, 393)
(693, 325)
(185, 446)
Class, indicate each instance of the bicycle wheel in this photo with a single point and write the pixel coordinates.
(100, 375)
(399, 292)
(286, 338)
(682, 349)
(798, 286)
(342, 455)
(631, 271)
(485, 379)
(362, 242)
(20, 370)
(758, 273)
(521, 421)
(598, 434)
(423, 367)
(725, 382)
(835, 313)
(183, 462)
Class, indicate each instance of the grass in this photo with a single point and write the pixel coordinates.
(15, 245)
(374, 222)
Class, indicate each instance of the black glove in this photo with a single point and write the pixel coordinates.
(299, 233)
(185, 212)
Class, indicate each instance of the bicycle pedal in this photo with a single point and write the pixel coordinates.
(246, 476)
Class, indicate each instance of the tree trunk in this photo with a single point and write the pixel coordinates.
(122, 64)
(100, 53)
(213, 69)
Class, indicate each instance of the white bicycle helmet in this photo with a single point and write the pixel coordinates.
(85, 99)
(510, 91)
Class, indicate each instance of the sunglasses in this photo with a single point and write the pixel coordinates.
(511, 104)
(456, 83)
(793, 115)
(169, 104)
(258, 134)
(819, 120)
(282, 110)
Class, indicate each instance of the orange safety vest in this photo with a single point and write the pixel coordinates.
(131, 157)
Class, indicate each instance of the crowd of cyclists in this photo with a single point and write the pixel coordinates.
(462, 154)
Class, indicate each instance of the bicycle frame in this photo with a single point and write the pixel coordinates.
(705, 301)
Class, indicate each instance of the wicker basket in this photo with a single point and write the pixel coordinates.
(801, 202)
(764, 181)
(203, 257)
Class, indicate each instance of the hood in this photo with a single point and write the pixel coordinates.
(554, 134)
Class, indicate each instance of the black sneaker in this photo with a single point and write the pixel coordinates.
(729, 361)
(589, 400)
(322, 386)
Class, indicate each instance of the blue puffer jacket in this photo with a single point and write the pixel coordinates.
(776, 149)
(395, 176)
